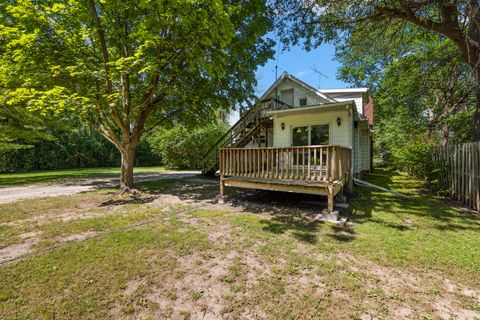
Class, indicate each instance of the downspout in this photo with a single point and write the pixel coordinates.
(353, 140)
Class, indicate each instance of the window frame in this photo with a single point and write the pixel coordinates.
(300, 102)
(309, 130)
(292, 132)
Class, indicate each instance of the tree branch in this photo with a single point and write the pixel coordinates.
(105, 129)
(169, 116)
(103, 45)
(408, 14)
(106, 62)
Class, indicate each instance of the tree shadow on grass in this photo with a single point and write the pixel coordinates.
(121, 202)
(301, 228)
(342, 233)
(371, 205)
(191, 189)
(291, 212)
(288, 212)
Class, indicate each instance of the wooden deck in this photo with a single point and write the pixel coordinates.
(322, 170)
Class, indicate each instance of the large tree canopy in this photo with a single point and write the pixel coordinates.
(314, 21)
(420, 84)
(20, 129)
(128, 66)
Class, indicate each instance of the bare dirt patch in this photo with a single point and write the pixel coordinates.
(78, 236)
(17, 250)
(409, 294)
(195, 289)
(31, 239)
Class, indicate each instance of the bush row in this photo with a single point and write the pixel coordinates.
(80, 148)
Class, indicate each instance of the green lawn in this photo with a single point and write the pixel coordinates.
(7, 179)
(174, 254)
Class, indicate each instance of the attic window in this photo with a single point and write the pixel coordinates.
(303, 102)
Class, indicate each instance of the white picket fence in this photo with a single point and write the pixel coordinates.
(460, 172)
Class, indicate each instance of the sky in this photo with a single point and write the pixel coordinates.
(301, 63)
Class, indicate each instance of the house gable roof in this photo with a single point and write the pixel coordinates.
(285, 76)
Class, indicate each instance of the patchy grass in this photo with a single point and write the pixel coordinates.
(8, 179)
(422, 231)
(260, 256)
(83, 280)
(40, 208)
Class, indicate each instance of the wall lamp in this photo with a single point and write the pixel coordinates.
(283, 126)
(339, 121)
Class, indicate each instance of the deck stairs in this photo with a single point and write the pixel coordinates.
(252, 125)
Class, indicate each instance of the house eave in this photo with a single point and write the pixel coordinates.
(344, 90)
(314, 108)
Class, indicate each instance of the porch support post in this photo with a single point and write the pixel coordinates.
(349, 186)
(222, 174)
(222, 186)
(330, 195)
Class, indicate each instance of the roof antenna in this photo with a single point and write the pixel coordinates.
(276, 61)
(320, 75)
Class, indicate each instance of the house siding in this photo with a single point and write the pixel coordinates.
(365, 148)
(340, 135)
(356, 152)
(355, 96)
(299, 92)
(362, 141)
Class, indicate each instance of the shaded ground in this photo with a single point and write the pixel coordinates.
(76, 185)
(44, 176)
(173, 254)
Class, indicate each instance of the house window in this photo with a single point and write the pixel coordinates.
(319, 135)
(303, 102)
(300, 136)
(311, 135)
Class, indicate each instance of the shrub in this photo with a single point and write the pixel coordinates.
(184, 148)
(415, 157)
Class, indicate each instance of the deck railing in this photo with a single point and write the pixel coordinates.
(308, 163)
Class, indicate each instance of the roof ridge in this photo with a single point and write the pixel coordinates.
(286, 74)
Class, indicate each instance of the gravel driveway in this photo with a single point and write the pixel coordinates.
(11, 194)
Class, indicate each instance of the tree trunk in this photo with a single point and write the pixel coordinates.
(446, 135)
(431, 121)
(476, 115)
(126, 176)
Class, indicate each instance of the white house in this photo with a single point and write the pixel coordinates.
(320, 117)
(297, 138)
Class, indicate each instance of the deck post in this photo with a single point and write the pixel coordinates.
(349, 188)
(222, 174)
(330, 195)
(222, 187)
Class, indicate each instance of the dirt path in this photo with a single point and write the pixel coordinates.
(11, 194)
